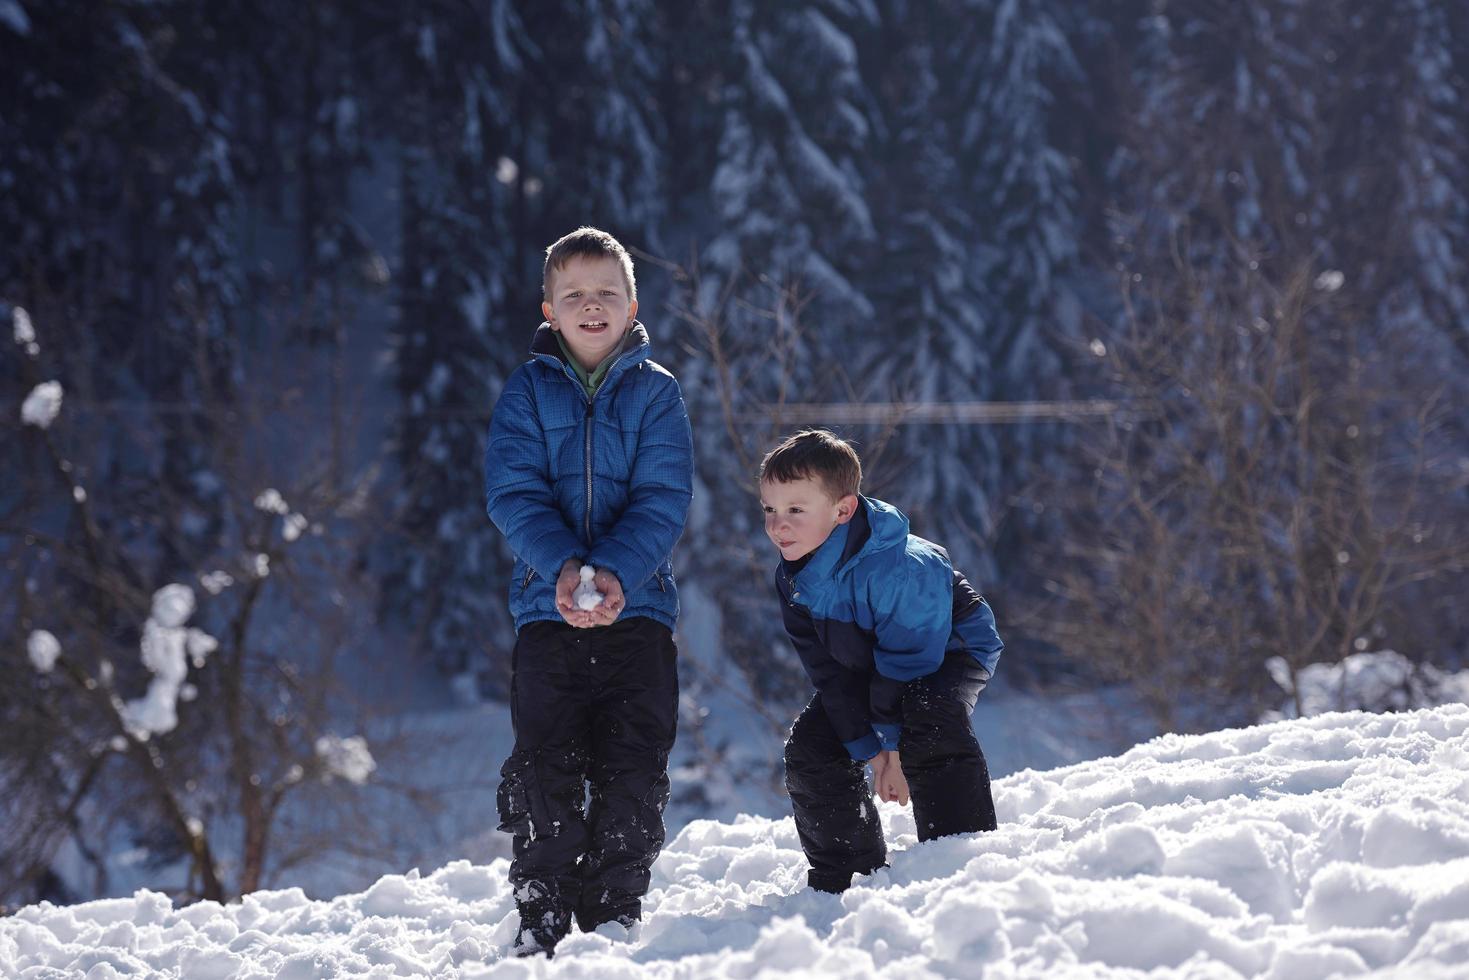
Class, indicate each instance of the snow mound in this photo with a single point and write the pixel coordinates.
(1337, 844)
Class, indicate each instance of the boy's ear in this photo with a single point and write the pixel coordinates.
(632, 312)
(846, 507)
(546, 312)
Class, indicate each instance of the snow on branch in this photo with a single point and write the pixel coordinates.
(165, 645)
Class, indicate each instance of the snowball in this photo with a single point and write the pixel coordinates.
(586, 595)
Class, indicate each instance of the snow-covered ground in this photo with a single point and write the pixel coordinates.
(1336, 845)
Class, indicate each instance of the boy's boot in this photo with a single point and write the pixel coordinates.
(544, 921)
(836, 818)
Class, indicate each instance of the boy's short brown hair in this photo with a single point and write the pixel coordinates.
(819, 454)
(586, 242)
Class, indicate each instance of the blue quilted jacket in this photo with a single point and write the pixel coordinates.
(870, 610)
(607, 480)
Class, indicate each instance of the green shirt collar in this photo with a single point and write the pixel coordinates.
(592, 380)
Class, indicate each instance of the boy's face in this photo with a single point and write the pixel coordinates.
(590, 307)
(800, 515)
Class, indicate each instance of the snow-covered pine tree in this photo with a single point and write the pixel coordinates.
(1030, 114)
(981, 248)
(774, 302)
(920, 275)
(596, 142)
(464, 263)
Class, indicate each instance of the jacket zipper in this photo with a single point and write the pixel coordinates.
(587, 462)
(587, 449)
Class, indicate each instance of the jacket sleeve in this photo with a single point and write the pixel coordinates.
(843, 692)
(911, 624)
(660, 488)
(518, 495)
(974, 624)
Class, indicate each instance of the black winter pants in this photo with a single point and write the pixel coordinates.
(594, 707)
(947, 777)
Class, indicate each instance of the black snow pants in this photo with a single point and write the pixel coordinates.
(594, 707)
(948, 780)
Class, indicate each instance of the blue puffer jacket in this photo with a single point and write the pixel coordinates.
(873, 608)
(607, 480)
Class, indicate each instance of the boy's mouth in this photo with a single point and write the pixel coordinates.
(595, 326)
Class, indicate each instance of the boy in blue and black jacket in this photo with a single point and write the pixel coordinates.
(589, 463)
(898, 646)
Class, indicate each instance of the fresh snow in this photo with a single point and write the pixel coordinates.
(346, 758)
(43, 648)
(1332, 845)
(1384, 679)
(42, 405)
(24, 330)
(167, 649)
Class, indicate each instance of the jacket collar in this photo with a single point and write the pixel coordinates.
(875, 526)
(636, 348)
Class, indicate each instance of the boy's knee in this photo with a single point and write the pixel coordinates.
(935, 728)
(513, 797)
(539, 791)
(801, 755)
(631, 794)
(824, 776)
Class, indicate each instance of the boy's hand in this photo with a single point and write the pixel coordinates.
(888, 781)
(566, 583)
(897, 783)
(879, 764)
(613, 601)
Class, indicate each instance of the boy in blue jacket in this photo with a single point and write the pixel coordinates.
(898, 646)
(589, 465)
